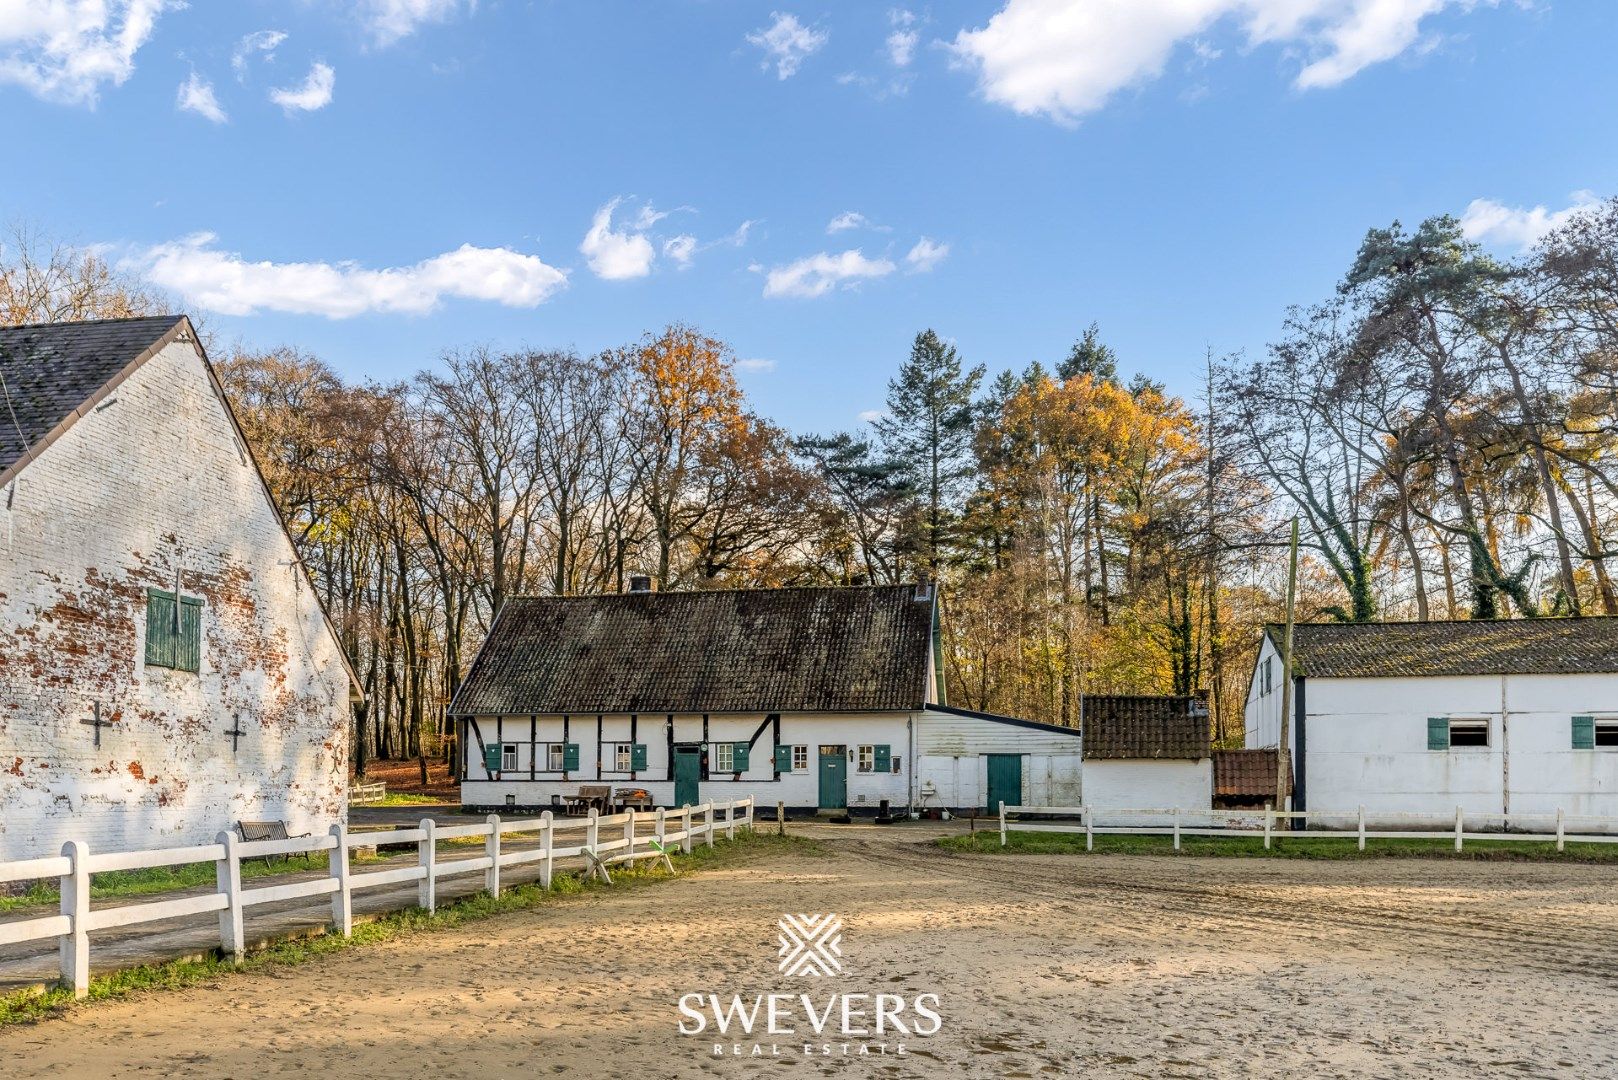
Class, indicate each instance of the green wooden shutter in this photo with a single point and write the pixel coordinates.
(637, 757)
(160, 636)
(739, 762)
(188, 648)
(1584, 733)
(570, 757)
(882, 758)
(491, 757)
(1438, 733)
(783, 759)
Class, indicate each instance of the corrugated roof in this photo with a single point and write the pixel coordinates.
(1486, 647)
(755, 650)
(53, 370)
(1126, 727)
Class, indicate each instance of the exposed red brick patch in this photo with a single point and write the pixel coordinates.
(136, 771)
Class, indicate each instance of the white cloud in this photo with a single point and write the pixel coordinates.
(786, 43)
(1491, 222)
(315, 93)
(755, 365)
(680, 248)
(617, 256)
(390, 20)
(818, 274)
(1062, 59)
(871, 416)
(852, 219)
(65, 50)
(926, 254)
(259, 41)
(224, 282)
(196, 95)
(902, 42)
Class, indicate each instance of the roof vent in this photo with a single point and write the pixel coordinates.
(640, 583)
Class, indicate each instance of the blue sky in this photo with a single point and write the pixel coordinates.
(377, 181)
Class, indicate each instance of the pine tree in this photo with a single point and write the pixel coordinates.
(1090, 357)
(928, 427)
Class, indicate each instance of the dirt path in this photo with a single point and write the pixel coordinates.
(1044, 965)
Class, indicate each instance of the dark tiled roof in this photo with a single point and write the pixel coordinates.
(761, 650)
(1247, 774)
(1123, 727)
(51, 371)
(1488, 647)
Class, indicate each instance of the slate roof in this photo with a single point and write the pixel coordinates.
(1124, 727)
(754, 650)
(52, 372)
(1248, 774)
(1487, 647)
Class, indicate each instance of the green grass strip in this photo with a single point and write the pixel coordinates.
(1284, 847)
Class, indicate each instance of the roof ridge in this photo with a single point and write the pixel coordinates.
(706, 592)
(64, 323)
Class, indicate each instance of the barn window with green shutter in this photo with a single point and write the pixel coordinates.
(1584, 733)
(173, 631)
(491, 758)
(882, 758)
(570, 757)
(1438, 733)
(783, 759)
(637, 756)
(740, 755)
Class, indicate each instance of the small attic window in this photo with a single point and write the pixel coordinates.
(173, 631)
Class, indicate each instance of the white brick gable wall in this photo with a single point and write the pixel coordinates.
(151, 482)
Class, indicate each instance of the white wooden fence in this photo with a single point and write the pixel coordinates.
(1338, 824)
(616, 838)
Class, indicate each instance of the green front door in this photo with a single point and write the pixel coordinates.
(833, 777)
(1005, 781)
(687, 774)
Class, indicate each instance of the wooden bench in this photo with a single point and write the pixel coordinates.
(265, 830)
(590, 796)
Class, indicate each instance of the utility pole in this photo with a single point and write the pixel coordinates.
(1286, 674)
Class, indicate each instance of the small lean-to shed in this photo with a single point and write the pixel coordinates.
(1146, 752)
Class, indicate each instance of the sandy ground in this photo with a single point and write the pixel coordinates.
(1044, 966)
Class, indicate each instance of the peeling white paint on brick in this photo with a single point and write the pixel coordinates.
(134, 491)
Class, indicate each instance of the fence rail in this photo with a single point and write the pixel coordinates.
(606, 841)
(1350, 824)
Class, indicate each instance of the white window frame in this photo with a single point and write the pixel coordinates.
(800, 757)
(1471, 723)
(865, 758)
(555, 756)
(724, 757)
(508, 757)
(623, 757)
(1600, 722)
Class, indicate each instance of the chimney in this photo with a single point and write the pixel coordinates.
(640, 583)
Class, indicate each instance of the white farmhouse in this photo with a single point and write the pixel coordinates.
(1502, 718)
(165, 666)
(819, 698)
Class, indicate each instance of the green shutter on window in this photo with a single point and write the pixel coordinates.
(570, 757)
(883, 758)
(637, 757)
(188, 649)
(491, 757)
(739, 762)
(160, 635)
(783, 759)
(1584, 733)
(1438, 733)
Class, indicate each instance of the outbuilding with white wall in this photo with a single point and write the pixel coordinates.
(1503, 718)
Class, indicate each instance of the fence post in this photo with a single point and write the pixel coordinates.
(730, 820)
(1269, 824)
(1089, 830)
(342, 900)
(491, 848)
(591, 834)
(75, 892)
(708, 817)
(1559, 833)
(629, 834)
(660, 828)
(752, 804)
(1002, 823)
(1458, 820)
(1175, 813)
(1362, 828)
(427, 859)
(229, 878)
(780, 819)
(686, 814)
(547, 843)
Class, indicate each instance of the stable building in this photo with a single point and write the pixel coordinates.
(167, 669)
(820, 698)
(1146, 752)
(1501, 718)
